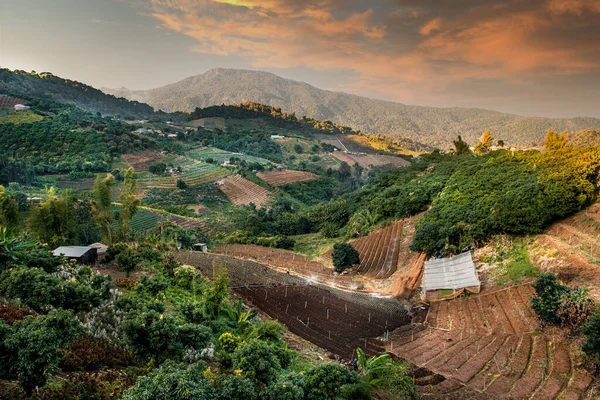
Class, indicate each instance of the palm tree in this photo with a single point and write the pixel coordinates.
(10, 247)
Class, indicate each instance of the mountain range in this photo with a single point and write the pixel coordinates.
(429, 125)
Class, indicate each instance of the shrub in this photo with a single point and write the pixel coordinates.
(258, 360)
(91, 354)
(344, 257)
(235, 387)
(158, 168)
(591, 330)
(127, 283)
(89, 385)
(172, 381)
(37, 345)
(12, 313)
(289, 387)
(323, 381)
(181, 185)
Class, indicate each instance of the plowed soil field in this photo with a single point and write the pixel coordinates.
(488, 347)
(278, 178)
(241, 191)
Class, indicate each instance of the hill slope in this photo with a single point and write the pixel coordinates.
(50, 87)
(429, 125)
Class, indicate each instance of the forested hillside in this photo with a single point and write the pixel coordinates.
(428, 125)
(50, 87)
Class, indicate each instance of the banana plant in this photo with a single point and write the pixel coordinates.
(372, 368)
(238, 317)
(10, 247)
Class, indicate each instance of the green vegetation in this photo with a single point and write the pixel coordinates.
(21, 117)
(556, 303)
(344, 256)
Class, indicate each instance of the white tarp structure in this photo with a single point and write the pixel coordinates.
(447, 278)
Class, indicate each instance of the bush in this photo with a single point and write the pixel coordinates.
(344, 257)
(181, 185)
(89, 385)
(323, 381)
(91, 354)
(591, 330)
(258, 360)
(12, 313)
(555, 303)
(158, 168)
(298, 148)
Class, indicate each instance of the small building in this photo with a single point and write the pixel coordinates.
(447, 278)
(82, 254)
(172, 136)
(277, 137)
(21, 107)
(201, 247)
(101, 250)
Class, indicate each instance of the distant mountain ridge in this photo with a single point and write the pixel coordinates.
(429, 125)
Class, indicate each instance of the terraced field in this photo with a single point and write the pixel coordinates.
(145, 220)
(146, 180)
(220, 156)
(278, 178)
(9, 101)
(487, 347)
(202, 173)
(379, 251)
(371, 160)
(571, 249)
(241, 191)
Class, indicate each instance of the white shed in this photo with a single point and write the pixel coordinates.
(446, 278)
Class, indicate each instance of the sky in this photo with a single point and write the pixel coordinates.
(520, 56)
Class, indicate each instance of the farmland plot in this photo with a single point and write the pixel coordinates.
(371, 160)
(487, 347)
(140, 161)
(220, 156)
(334, 320)
(278, 178)
(241, 191)
(202, 173)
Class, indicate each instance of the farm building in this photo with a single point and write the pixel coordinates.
(21, 107)
(447, 278)
(101, 249)
(82, 254)
(277, 137)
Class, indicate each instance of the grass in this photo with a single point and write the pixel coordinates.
(516, 264)
(313, 245)
(21, 117)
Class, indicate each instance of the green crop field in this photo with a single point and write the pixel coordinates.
(203, 173)
(148, 180)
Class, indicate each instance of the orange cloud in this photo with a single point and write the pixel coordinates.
(395, 52)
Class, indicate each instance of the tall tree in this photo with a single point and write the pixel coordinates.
(9, 209)
(555, 141)
(129, 204)
(53, 221)
(461, 147)
(103, 210)
(485, 143)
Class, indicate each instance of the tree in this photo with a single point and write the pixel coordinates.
(53, 221)
(127, 261)
(129, 204)
(181, 185)
(298, 148)
(555, 141)
(158, 168)
(501, 143)
(344, 257)
(38, 344)
(11, 247)
(103, 210)
(217, 293)
(485, 143)
(461, 147)
(9, 209)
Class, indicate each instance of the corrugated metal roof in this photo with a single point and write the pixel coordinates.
(71, 251)
(456, 272)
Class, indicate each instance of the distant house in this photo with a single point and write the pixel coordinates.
(21, 107)
(447, 278)
(82, 254)
(172, 136)
(277, 137)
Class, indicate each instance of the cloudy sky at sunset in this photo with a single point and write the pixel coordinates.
(526, 57)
